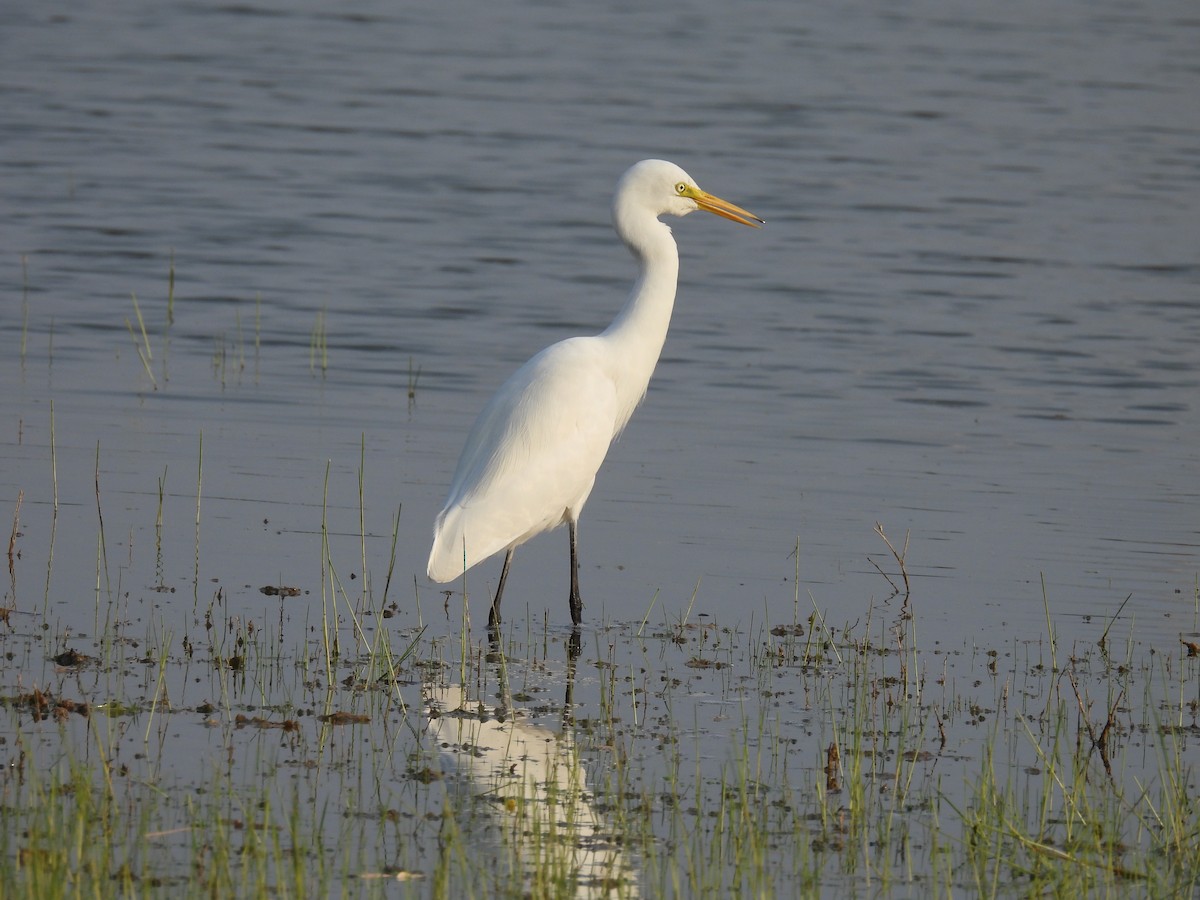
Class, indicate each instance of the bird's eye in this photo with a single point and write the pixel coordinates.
(680, 188)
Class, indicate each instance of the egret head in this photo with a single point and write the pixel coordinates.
(662, 188)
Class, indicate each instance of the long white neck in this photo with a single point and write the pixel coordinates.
(637, 334)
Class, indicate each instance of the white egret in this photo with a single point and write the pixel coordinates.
(531, 457)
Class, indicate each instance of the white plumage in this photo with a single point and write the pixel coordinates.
(531, 458)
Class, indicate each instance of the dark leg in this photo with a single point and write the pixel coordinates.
(568, 717)
(494, 615)
(576, 601)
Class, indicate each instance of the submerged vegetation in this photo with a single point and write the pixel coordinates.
(331, 733)
(214, 752)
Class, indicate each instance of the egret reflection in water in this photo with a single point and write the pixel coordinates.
(531, 782)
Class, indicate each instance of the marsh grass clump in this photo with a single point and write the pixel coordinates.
(126, 834)
(900, 787)
(330, 737)
(144, 352)
(228, 354)
(770, 775)
(1063, 800)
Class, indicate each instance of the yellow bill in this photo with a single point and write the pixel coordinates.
(724, 208)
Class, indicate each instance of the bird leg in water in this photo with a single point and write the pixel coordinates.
(494, 615)
(576, 600)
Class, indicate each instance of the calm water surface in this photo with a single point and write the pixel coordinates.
(973, 316)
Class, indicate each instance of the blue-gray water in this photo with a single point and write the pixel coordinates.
(973, 316)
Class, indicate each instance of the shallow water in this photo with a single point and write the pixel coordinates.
(973, 316)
